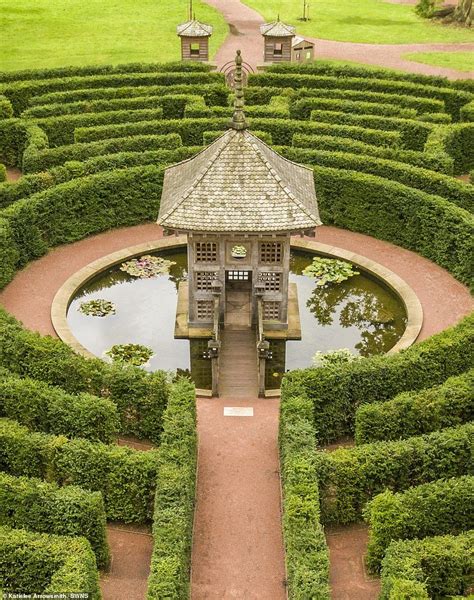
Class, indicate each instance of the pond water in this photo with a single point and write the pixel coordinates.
(360, 314)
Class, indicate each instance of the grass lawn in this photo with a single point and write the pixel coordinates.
(365, 21)
(462, 61)
(54, 33)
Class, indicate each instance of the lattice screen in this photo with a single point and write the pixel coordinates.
(204, 280)
(271, 253)
(205, 310)
(272, 281)
(206, 252)
(271, 311)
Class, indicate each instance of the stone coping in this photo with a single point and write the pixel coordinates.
(64, 295)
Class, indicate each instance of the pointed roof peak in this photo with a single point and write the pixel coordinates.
(277, 29)
(194, 28)
(238, 118)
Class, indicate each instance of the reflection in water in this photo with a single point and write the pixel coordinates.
(360, 314)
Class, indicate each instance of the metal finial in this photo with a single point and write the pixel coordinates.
(238, 119)
(190, 10)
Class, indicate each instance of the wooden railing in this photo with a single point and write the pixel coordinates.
(263, 347)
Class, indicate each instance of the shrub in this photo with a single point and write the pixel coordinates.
(302, 109)
(415, 413)
(50, 157)
(33, 563)
(43, 507)
(307, 559)
(125, 477)
(50, 409)
(60, 130)
(456, 141)
(436, 567)
(444, 164)
(174, 501)
(413, 133)
(3, 174)
(140, 397)
(6, 110)
(467, 112)
(441, 507)
(348, 478)
(433, 183)
(13, 139)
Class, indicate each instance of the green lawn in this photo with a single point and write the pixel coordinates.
(461, 61)
(366, 21)
(53, 33)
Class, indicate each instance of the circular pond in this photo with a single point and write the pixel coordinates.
(361, 314)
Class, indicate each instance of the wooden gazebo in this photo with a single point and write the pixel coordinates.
(194, 40)
(278, 40)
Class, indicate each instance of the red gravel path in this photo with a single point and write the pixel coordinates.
(244, 34)
(238, 547)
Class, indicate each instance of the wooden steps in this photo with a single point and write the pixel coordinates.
(238, 375)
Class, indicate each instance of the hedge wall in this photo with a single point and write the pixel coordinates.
(51, 157)
(45, 508)
(302, 109)
(413, 133)
(441, 163)
(214, 94)
(307, 558)
(174, 501)
(438, 508)
(49, 409)
(60, 130)
(126, 477)
(50, 564)
(348, 478)
(415, 413)
(140, 397)
(457, 141)
(19, 93)
(436, 566)
(6, 109)
(467, 112)
(448, 188)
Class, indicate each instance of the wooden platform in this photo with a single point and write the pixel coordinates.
(238, 376)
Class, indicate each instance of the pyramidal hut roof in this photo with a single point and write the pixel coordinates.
(238, 184)
(194, 28)
(277, 29)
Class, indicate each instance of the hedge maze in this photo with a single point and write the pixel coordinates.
(92, 144)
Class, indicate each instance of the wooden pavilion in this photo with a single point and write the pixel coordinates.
(278, 43)
(194, 40)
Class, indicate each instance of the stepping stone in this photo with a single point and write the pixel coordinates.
(238, 411)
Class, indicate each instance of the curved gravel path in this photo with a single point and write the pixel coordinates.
(238, 551)
(244, 34)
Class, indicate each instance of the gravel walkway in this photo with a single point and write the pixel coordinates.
(244, 34)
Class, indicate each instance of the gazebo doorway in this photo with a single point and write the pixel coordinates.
(238, 299)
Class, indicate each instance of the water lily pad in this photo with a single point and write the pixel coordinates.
(329, 270)
(131, 354)
(147, 266)
(97, 308)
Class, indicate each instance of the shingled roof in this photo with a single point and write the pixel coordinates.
(277, 29)
(194, 29)
(238, 184)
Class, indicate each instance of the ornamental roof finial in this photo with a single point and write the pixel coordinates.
(238, 119)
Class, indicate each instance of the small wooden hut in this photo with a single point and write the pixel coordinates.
(302, 50)
(194, 40)
(278, 38)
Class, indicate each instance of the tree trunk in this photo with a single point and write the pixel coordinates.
(464, 12)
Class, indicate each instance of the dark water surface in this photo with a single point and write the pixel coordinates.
(361, 314)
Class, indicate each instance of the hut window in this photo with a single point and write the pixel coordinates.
(271, 311)
(204, 280)
(271, 253)
(205, 310)
(238, 276)
(206, 252)
(271, 281)
(308, 55)
(298, 55)
(195, 49)
(278, 49)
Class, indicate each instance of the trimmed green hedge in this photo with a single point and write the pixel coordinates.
(302, 109)
(457, 141)
(438, 508)
(444, 186)
(443, 164)
(60, 130)
(20, 92)
(45, 408)
(51, 564)
(307, 559)
(454, 99)
(467, 112)
(415, 413)
(419, 105)
(348, 478)
(51, 157)
(174, 502)
(214, 94)
(6, 110)
(435, 567)
(15, 136)
(3, 174)
(126, 477)
(404, 216)
(44, 507)
(413, 133)
(140, 397)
